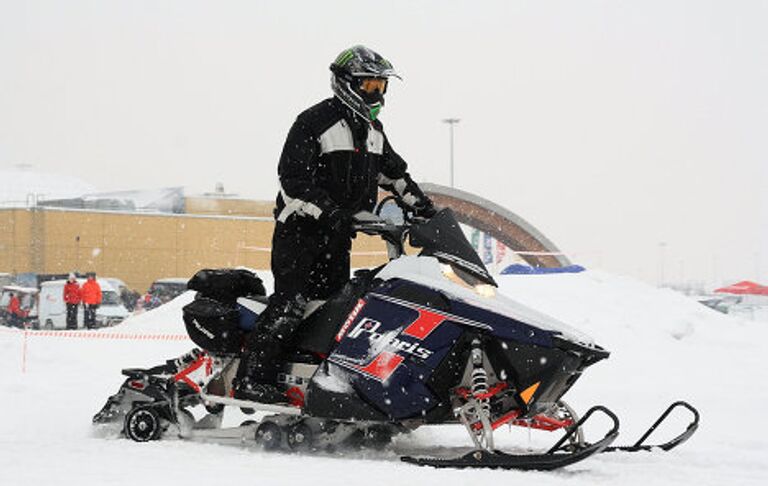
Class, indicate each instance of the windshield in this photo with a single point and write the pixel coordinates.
(168, 289)
(110, 298)
(442, 238)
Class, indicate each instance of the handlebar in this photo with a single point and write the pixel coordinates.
(393, 234)
(372, 224)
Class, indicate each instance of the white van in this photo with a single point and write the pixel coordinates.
(52, 311)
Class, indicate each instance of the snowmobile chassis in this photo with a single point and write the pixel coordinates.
(162, 409)
(287, 429)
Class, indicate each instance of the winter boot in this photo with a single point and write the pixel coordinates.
(256, 378)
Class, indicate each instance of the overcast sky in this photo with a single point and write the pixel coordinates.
(612, 126)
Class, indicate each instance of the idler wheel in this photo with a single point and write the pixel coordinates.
(142, 424)
(300, 437)
(269, 436)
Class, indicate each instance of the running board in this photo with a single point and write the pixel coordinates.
(259, 407)
(237, 434)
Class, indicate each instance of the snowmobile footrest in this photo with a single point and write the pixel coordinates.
(552, 459)
(671, 444)
(261, 407)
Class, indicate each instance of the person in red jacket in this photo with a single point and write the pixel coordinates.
(15, 312)
(90, 295)
(72, 299)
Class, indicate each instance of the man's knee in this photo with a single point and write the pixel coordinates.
(281, 318)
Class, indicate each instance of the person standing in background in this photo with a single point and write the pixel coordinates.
(14, 311)
(72, 300)
(91, 298)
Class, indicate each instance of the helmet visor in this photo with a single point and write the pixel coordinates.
(372, 85)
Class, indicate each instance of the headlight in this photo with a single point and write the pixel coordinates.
(483, 290)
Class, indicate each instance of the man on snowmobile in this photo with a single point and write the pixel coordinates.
(334, 159)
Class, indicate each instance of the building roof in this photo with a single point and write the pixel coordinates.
(23, 187)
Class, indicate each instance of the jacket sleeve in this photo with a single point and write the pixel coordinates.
(394, 177)
(297, 167)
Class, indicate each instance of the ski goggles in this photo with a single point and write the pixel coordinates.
(370, 85)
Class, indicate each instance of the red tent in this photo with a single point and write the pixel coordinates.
(745, 287)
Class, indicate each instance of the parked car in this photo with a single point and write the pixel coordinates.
(127, 296)
(164, 290)
(52, 312)
(29, 305)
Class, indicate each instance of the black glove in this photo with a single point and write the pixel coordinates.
(424, 209)
(340, 221)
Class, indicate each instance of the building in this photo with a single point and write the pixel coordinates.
(139, 238)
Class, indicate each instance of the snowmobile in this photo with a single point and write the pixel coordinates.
(424, 339)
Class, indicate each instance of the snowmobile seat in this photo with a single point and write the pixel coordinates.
(163, 369)
(318, 330)
(134, 372)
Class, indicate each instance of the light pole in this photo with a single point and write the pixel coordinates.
(451, 122)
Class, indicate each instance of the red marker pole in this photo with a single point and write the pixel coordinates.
(24, 353)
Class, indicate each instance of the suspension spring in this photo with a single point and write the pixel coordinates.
(479, 377)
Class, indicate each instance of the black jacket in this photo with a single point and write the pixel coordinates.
(333, 159)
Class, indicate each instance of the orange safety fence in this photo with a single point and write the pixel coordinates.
(86, 334)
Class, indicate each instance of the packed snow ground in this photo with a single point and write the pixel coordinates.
(664, 347)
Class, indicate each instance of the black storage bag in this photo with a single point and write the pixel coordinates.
(214, 325)
(226, 284)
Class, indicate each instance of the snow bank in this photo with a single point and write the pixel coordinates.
(165, 319)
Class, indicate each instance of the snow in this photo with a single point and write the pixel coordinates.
(17, 185)
(664, 347)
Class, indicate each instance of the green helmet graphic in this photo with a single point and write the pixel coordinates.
(349, 70)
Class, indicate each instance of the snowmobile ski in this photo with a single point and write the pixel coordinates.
(670, 444)
(554, 458)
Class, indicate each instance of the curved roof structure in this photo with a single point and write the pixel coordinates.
(504, 225)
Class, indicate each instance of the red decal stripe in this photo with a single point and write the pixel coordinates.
(383, 365)
(348, 322)
(183, 375)
(424, 324)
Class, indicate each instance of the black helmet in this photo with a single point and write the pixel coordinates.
(349, 70)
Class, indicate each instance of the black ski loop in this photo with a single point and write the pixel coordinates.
(612, 434)
(670, 444)
(663, 416)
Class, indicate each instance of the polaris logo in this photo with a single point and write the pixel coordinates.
(370, 327)
(205, 331)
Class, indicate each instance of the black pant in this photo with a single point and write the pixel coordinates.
(90, 315)
(308, 259)
(15, 321)
(309, 262)
(72, 316)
